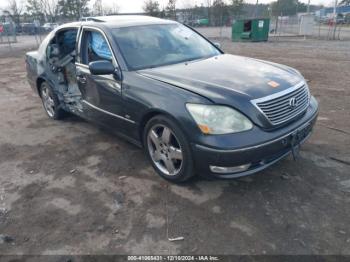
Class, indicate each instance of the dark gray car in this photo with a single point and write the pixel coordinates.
(166, 88)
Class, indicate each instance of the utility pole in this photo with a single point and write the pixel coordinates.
(335, 18)
(308, 7)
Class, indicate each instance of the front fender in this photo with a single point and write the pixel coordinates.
(144, 97)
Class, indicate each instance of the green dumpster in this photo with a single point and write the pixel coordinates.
(254, 30)
(203, 22)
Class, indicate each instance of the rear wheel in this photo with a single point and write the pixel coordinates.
(50, 102)
(168, 149)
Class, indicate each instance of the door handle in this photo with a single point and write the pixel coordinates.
(81, 79)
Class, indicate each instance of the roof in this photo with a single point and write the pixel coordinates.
(117, 21)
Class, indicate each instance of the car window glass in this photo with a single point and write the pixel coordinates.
(67, 41)
(98, 48)
(157, 45)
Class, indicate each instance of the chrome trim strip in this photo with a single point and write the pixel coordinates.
(106, 112)
(256, 146)
(276, 95)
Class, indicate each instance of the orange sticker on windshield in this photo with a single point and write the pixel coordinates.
(273, 84)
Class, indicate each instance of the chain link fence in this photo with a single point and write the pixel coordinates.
(309, 26)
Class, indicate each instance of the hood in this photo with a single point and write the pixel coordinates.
(227, 78)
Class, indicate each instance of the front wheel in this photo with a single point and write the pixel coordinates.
(168, 149)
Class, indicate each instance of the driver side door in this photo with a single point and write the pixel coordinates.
(101, 94)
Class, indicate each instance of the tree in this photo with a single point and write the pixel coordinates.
(50, 9)
(97, 8)
(115, 7)
(209, 4)
(47, 8)
(200, 11)
(286, 7)
(15, 8)
(73, 9)
(171, 9)
(151, 7)
(236, 7)
(105, 9)
(345, 2)
(220, 12)
(34, 7)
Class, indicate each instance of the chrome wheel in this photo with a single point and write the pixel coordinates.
(165, 150)
(49, 103)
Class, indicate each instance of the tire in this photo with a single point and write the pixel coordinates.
(168, 149)
(50, 102)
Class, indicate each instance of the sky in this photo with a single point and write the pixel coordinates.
(129, 6)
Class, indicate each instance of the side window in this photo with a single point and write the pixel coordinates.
(63, 43)
(94, 47)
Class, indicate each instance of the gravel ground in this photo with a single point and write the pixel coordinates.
(68, 187)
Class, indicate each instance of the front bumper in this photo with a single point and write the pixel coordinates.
(262, 154)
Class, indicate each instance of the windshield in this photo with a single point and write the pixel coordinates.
(156, 45)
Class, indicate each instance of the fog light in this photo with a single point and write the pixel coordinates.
(232, 169)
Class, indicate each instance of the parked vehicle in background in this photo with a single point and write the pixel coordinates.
(28, 28)
(49, 26)
(86, 19)
(166, 88)
(347, 18)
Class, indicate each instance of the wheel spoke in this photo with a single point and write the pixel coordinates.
(44, 93)
(166, 135)
(51, 110)
(169, 165)
(156, 155)
(175, 153)
(155, 139)
(50, 101)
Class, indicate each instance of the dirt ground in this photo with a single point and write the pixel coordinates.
(68, 187)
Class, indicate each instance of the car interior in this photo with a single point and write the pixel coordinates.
(61, 54)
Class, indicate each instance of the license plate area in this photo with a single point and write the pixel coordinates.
(297, 137)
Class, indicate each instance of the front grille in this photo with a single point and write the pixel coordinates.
(280, 108)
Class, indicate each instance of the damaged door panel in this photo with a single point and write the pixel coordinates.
(54, 62)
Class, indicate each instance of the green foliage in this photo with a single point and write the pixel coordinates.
(287, 7)
(219, 12)
(200, 11)
(171, 9)
(345, 2)
(73, 9)
(34, 7)
(151, 7)
(236, 7)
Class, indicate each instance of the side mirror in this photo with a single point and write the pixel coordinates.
(101, 67)
(218, 45)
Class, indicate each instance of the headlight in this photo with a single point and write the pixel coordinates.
(215, 119)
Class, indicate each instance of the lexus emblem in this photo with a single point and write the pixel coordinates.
(293, 103)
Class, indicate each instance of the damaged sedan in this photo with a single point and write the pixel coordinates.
(166, 88)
